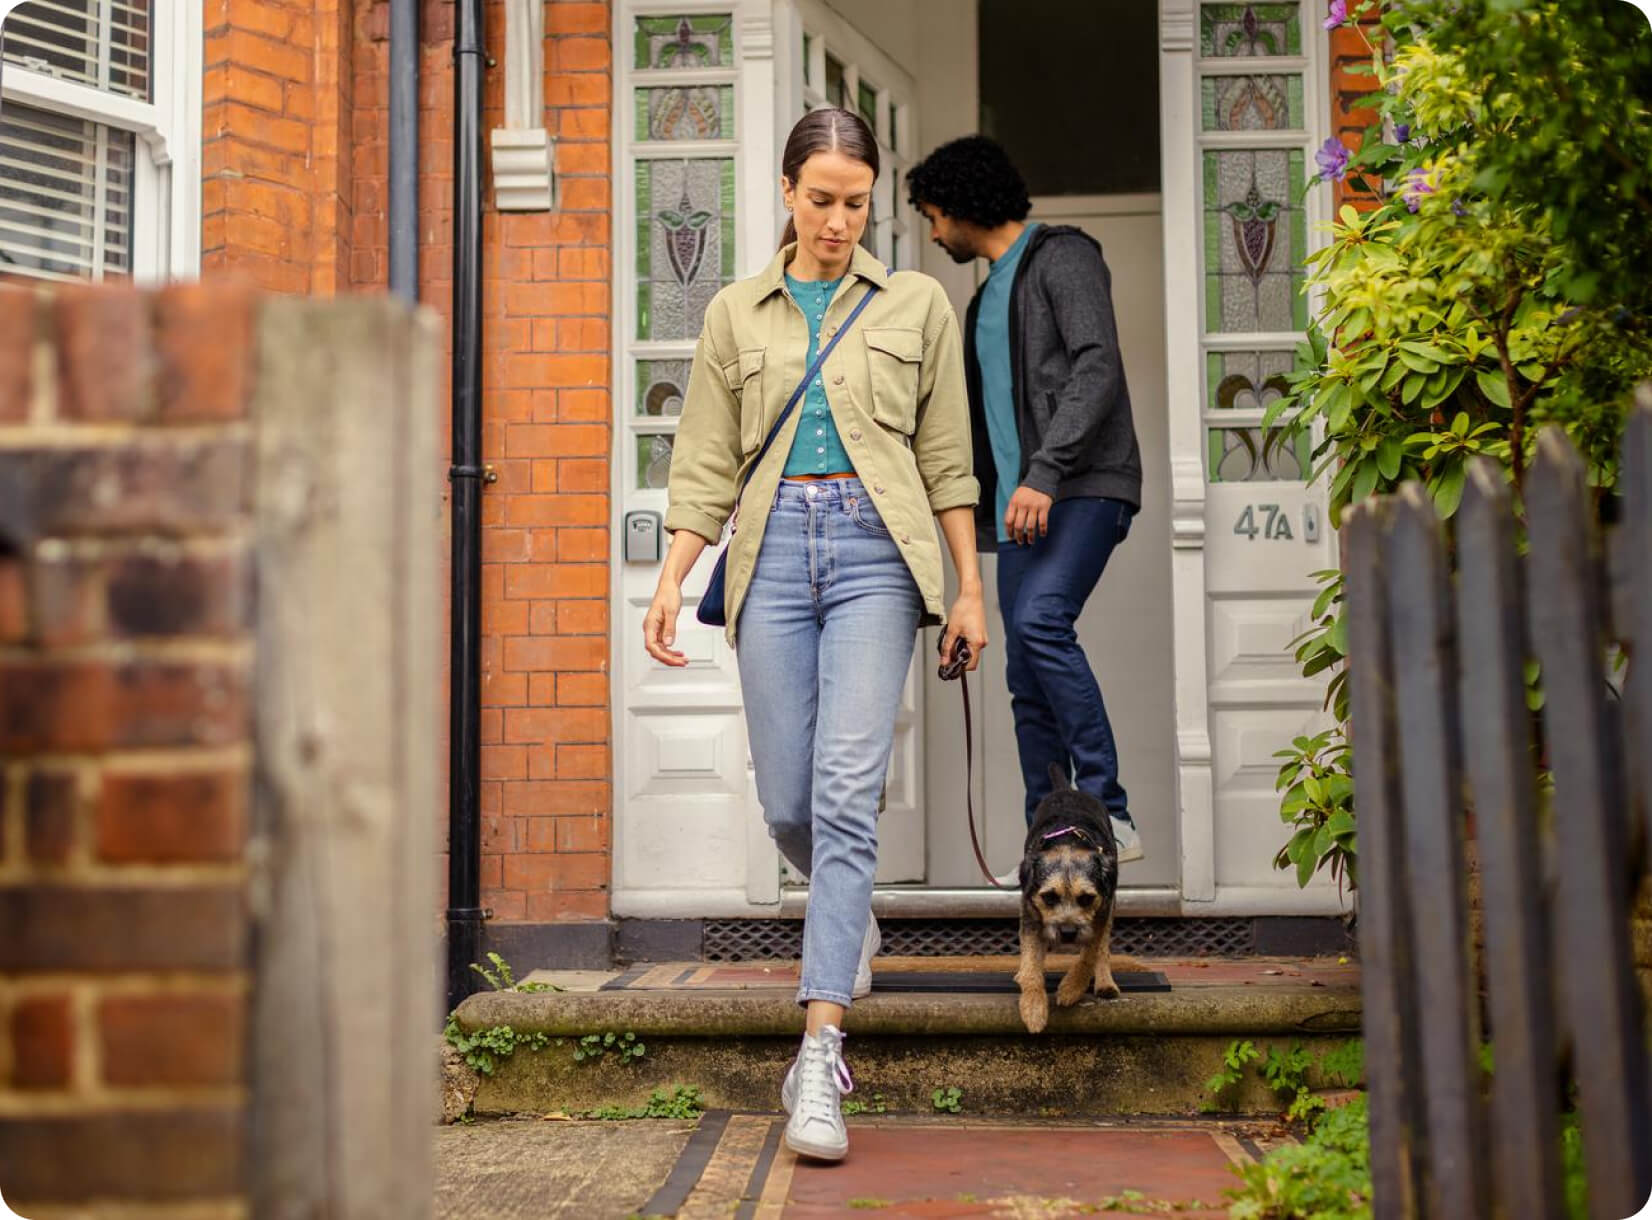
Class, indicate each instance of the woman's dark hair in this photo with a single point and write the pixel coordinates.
(828, 129)
(971, 179)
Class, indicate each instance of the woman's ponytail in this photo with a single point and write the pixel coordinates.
(790, 235)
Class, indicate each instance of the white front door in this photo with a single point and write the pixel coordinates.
(1125, 628)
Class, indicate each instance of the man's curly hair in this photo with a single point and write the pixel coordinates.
(973, 179)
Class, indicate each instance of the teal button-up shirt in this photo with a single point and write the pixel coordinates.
(817, 449)
(992, 346)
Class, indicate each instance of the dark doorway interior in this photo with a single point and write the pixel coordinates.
(1071, 88)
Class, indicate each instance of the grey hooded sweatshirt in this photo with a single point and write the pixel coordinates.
(1072, 407)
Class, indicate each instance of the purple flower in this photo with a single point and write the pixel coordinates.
(1338, 14)
(1416, 186)
(1332, 159)
(1457, 208)
(1402, 132)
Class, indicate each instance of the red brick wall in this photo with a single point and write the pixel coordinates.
(125, 751)
(547, 796)
(277, 155)
(296, 196)
(1349, 50)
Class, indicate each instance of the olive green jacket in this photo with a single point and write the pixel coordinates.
(895, 385)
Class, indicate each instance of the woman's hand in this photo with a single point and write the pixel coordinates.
(659, 625)
(968, 619)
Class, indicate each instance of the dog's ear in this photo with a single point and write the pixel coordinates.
(1059, 777)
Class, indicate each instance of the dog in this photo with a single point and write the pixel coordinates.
(1069, 877)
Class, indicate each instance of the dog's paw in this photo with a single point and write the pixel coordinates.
(1072, 989)
(1035, 1011)
(1106, 988)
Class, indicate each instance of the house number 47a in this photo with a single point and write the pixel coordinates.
(1263, 521)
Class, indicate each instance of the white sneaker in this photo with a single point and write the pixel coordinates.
(817, 1081)
(870, 943)
(1010, 880)
(1128, 839)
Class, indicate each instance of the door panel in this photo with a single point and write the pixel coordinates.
(1126, 627)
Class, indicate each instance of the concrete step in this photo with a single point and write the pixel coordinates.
(731, 1030)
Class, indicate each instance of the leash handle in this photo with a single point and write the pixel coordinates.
(952, 668)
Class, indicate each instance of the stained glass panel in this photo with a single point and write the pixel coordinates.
(661, 385)
(1229, 31)
(685, 242)
(1245, 381)
(1252, 103)
(1250, 455)
(704, 41)
(686, 112)
(1255, 240)
(654, 461)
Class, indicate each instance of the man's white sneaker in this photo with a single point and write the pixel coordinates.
(870, 943)
(1010, 880)
(816, 1083)
(1128, 839)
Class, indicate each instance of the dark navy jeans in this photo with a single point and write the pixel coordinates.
(1042, 588)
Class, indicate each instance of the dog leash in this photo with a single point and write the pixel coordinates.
(953, 670)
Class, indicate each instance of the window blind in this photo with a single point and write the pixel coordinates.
(101, 43)
(65, 195)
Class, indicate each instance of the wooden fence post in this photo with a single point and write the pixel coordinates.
(1384, 921)
(1599, 994)
(1637, 545)
(348, 720)
(1425, 677)
(1497, 744)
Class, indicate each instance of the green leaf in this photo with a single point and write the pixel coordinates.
(1306, 866)
(1389, 456)
(1494, 386)
(1448, 491)
(1337, 638)
(1365, 481)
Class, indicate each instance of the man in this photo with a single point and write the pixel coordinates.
(1055, 452)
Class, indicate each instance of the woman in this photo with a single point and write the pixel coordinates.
(834, 564)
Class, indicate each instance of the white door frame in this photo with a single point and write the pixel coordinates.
(767, 57)
(1186, 342)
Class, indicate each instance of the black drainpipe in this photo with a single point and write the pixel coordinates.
(464, 860)
(404, 149)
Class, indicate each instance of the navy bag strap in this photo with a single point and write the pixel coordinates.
(797, 394)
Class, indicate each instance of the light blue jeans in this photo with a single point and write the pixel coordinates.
(825, 639)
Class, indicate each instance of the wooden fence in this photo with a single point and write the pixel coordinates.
(1445, 746)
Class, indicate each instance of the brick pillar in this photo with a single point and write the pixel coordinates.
(277, 151)
(125, 656)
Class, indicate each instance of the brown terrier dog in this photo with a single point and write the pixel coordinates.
(1069, 875)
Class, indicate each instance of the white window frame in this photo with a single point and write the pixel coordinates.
(166, 175)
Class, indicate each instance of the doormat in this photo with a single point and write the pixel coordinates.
(997, 983)
(714, 976)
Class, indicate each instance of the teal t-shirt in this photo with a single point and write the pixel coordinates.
(817, 448)
(992, 349)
